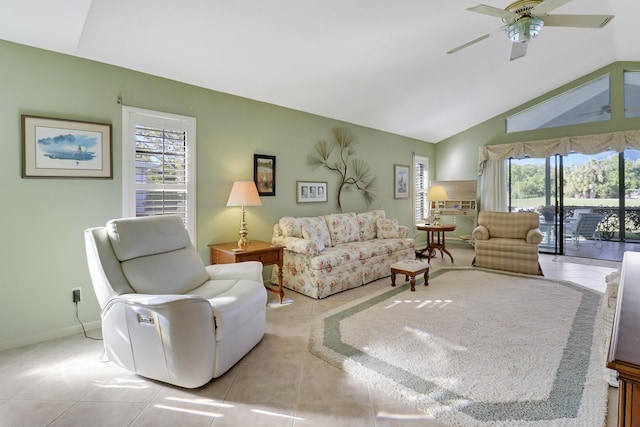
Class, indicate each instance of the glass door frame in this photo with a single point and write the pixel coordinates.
(555, 180)
(554, 186)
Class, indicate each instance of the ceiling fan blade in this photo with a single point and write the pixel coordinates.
(547, 6)
(518, 50)
(479, 39)
(579, 21)
(493, 11)
(474, 41)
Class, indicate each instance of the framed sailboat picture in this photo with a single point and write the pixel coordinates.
(59, 148)
(401, 182)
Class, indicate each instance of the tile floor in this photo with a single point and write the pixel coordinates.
(600, 250)
(65, 382)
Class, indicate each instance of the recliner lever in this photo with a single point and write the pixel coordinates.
(145, 319)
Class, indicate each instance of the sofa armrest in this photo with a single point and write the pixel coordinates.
(298, 245)
(294, 244)
(534, 236)
(480, 233)
(403, 231)
(251, 270)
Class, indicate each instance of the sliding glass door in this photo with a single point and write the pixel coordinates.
(583, 199)
(533, 186)
(631, 201)
(591, 199)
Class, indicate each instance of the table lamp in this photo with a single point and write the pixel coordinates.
(436, 194)
(244, 193)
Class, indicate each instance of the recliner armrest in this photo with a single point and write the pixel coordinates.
(534, 236)
(480, 233)
(250, 270)
(148, 300)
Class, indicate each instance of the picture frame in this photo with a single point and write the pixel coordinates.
(61, 148)
(311, 192)
(401, 182)
(264, 174)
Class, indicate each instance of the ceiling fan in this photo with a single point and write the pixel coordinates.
(524, 19)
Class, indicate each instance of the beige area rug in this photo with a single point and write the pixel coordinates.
(477, 348)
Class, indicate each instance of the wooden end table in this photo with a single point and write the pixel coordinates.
(435, 240)
(256, 250)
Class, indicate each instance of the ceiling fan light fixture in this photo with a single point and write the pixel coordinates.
(524, 29)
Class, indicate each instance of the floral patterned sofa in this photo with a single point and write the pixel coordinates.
(331, 253)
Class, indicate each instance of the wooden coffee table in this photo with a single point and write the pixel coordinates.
(410, 269)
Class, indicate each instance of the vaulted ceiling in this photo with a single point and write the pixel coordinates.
(376, 63)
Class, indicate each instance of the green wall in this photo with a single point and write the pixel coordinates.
(457, 157)
(42, 255)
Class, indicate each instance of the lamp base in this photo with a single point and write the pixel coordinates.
(436, 218)
(242, 243)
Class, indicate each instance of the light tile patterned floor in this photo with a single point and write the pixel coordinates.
(64, 382)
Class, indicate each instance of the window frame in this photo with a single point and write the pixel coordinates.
(420, 189)
(132, 116)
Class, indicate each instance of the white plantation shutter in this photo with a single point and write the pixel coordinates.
(159, 167)
(421, 177)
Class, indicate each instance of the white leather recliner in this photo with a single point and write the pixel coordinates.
(165, 315)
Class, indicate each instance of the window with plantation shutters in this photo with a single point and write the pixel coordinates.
(159, 170)
(421, 176)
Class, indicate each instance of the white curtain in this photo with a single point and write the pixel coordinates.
(493, 186)
(492, 165)
(585, 144)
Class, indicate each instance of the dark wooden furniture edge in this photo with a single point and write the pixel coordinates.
(624, 350)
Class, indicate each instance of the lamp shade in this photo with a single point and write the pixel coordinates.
(437, 193)
(244, 193)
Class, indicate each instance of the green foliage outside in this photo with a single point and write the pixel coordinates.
(595, 179)
(593, 184)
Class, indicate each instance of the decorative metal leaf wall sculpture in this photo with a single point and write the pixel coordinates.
(354, 173)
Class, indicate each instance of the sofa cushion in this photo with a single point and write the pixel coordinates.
(292, 227)
(343, 228)
(365, 249)
(312, 234)
(333, 257)
(367, 221)
(387, 228)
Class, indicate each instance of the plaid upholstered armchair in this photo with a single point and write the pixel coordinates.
(508, 241)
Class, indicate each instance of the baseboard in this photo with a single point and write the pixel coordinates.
(47, 336)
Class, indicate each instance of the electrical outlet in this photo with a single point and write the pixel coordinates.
(76, 294)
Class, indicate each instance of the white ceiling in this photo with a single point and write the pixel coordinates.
(376, 63)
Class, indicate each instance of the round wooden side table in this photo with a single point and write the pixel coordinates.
(435, 240)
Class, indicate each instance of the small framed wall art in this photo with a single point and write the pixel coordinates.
(311, 192)
(401, 182)
(264, 174)
(57, 148)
